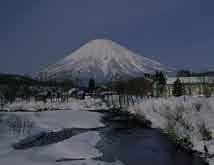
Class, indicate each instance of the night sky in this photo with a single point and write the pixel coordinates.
(36, 33)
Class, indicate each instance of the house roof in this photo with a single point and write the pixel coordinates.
(191, 80)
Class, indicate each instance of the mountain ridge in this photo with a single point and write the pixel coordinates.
(104, 60)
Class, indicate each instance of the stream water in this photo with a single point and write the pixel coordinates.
(133, 144)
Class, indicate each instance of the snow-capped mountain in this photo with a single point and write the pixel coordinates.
(103, 60)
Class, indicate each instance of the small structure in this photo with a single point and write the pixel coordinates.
(193, 86)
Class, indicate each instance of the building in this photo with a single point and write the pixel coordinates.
(194, 86)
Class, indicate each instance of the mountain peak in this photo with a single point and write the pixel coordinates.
(101, 40)
(103, 60)
(100, 43)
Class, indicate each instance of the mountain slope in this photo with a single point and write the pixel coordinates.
(103, 60)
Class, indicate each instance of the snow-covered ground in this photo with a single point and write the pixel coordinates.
(15, 126)
(72, 104)
(191, 118)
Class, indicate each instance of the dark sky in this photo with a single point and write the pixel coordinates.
(35, 33)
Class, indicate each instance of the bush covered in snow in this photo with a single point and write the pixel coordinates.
(189, 119)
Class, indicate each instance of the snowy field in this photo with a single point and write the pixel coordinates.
(188, 118)
(80, 148)
(72, 104)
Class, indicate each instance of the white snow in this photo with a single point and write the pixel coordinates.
(184, 115)
(72, 104)
(102, 59)
(78, 147)
(28, 123)
(15, 126)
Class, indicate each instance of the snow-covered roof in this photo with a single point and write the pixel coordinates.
(191, 80)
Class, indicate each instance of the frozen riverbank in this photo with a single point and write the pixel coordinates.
(78, 149)
(33, 137)
(107, 139)
(189, 120)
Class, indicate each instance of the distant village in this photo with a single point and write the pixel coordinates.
(14, 87)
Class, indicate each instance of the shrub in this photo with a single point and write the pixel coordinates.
(205, 132)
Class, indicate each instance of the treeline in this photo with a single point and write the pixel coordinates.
(19, 80)
(16, 86)
(136, 86)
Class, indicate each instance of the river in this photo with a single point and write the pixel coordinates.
(133, 144)
(121, 140)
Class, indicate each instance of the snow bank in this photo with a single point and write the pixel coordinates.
(30, 123)
(21, 125)
(15, 126)
(72, 104)
(189, 118)
(78, 147)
